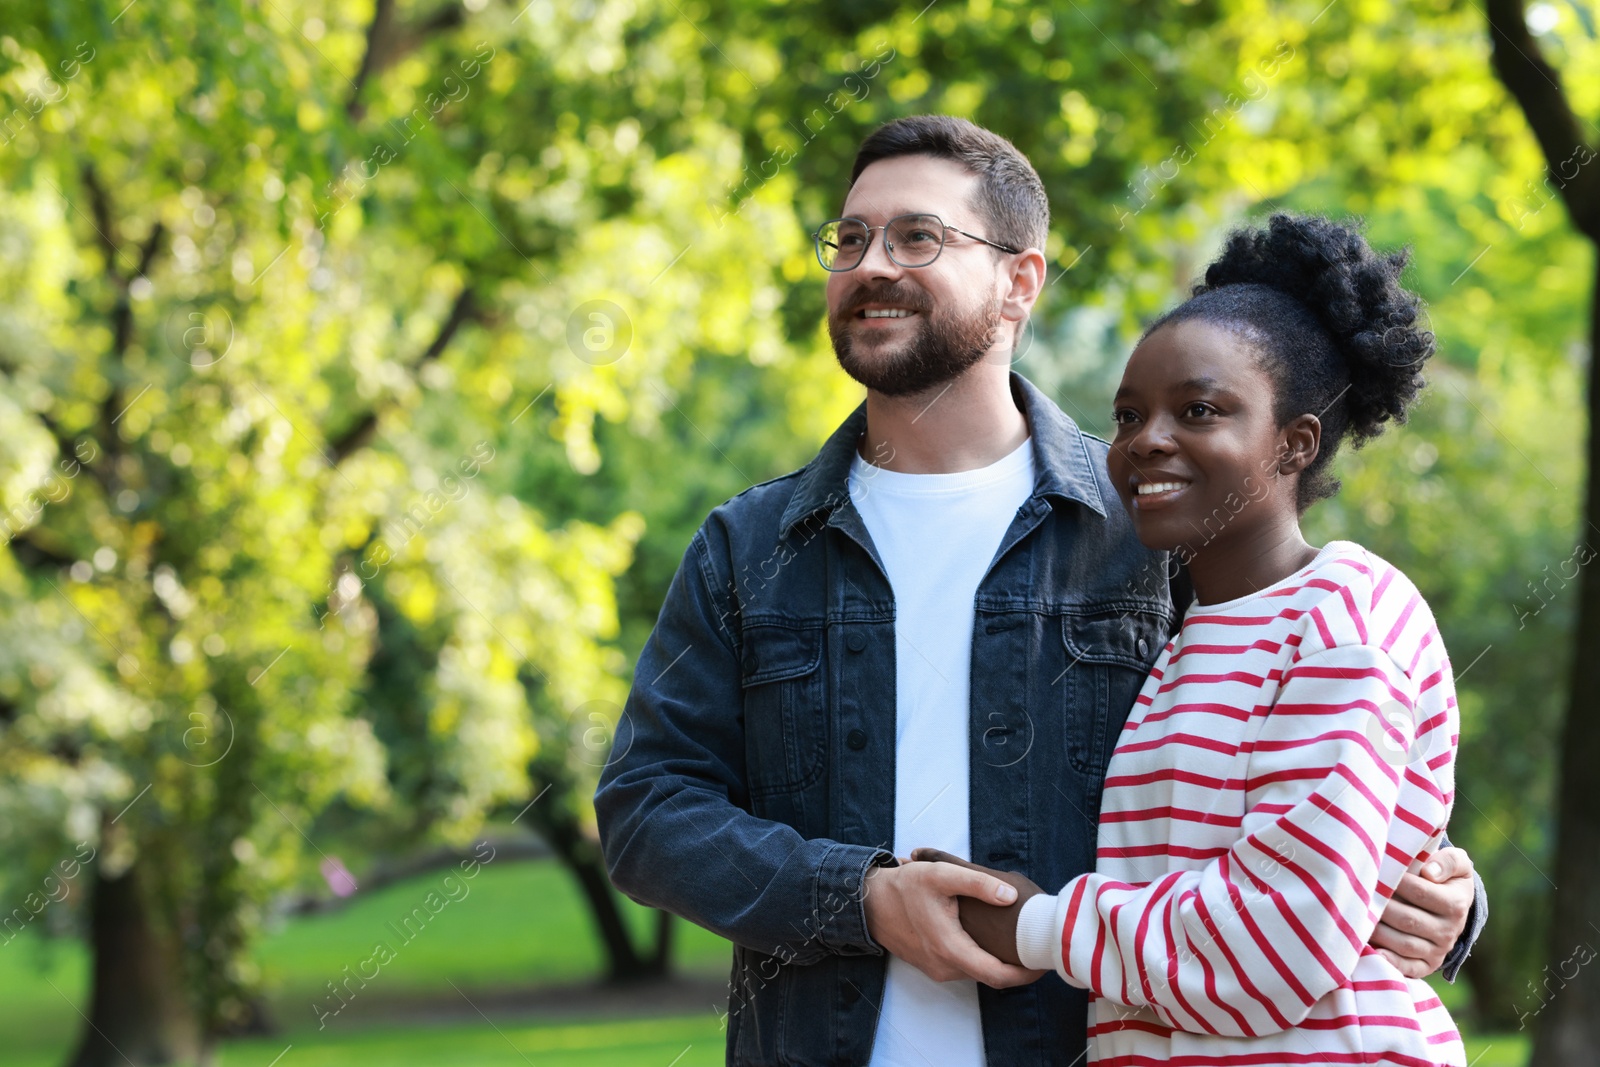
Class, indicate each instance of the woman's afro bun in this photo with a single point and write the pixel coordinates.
(1340, 336)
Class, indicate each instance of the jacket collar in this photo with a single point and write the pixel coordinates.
(1063, 466)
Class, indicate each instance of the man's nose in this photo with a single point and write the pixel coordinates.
(876, 262)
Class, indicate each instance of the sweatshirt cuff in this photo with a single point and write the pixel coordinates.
(1039, 933)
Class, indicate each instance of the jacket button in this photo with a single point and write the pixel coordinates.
(856, 739)
(855, 642)
(1144, 647)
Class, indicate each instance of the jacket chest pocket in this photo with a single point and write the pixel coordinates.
(1108, 658)
(785, 715)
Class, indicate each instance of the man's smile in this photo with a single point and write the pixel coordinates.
(882, 314)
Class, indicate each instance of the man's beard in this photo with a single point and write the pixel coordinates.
(939, 351)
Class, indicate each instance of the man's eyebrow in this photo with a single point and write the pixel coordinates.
(892, 213)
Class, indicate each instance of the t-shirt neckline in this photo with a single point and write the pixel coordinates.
(1324, 554)
(904, 483)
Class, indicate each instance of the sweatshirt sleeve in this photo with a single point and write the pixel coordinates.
(1345, 791)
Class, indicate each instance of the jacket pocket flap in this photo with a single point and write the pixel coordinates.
(1127, 638)
(775, 652)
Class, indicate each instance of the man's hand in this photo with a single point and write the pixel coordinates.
(1425, 919)
(912, 912)
(992, 926)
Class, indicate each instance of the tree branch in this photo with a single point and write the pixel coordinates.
(104, 224)
(33, 555)
(354, 439)
(1536, 86)
(378, 33)
(388, 42)
(147, 251)
(365, 427)
(112, 407)
(460, 312)
(387, 873)
(68, 451)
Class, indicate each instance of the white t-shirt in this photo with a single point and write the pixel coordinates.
(937, 535)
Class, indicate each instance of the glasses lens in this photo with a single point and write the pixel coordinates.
(915, 240)
(840, 243)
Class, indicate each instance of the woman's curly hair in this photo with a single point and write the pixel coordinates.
(1339, 335)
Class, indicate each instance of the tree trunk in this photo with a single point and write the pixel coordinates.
(624, 963)
(138, 1013)
(1490, 979)
(661, 961)
(1568, 1032)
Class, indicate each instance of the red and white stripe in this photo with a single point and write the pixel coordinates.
(1289, 757)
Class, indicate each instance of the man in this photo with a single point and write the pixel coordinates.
(928, 636)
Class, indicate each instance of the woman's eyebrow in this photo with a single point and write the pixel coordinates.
(1209, 386)
(1202, 384)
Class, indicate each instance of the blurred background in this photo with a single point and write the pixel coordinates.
(365, 368)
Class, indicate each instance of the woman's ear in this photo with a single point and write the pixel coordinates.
(1299, 444)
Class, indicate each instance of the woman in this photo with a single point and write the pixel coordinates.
(1292, 753)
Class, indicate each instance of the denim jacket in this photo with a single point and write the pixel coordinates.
(751, 781)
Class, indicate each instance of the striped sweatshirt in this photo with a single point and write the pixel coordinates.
(1290, 756)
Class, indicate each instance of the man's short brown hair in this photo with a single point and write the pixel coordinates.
(1010, 198)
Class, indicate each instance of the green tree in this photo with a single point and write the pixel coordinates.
(1570, 1031)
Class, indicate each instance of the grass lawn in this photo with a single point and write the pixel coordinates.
(522, 924)
(519, 926)
(695, 1041)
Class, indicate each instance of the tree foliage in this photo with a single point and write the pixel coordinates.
(365, 367)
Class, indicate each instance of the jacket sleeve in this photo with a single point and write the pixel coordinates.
(672, 803)
(1345, 792)
(1477, 918)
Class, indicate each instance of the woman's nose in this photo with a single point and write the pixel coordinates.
(1153, 438)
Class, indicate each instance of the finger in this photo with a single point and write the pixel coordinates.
(934, 855)
(1407, 967)
(976, 883)
(968, 881)
(974, 963)
(973, 880)
(1449, 901)
(1013, 976)
(1417, 922)
(1446, 864)
(1404, 944)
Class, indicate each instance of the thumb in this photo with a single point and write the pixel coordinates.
(988, 887)
(1446, 864)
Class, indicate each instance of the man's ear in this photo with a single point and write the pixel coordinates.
(1299, 443)
(1027, 282)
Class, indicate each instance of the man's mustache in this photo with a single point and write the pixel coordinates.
(887, 294)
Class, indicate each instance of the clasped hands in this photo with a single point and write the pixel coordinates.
(954, 920)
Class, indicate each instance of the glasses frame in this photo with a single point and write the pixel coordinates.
(888, 246)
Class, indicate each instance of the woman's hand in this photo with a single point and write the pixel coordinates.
(992, 926)
(1427, 914)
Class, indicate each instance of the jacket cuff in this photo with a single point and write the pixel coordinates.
(1476, 918)
(839, 899)
(1039, 933)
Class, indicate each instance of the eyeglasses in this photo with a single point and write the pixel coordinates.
(910, 240)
